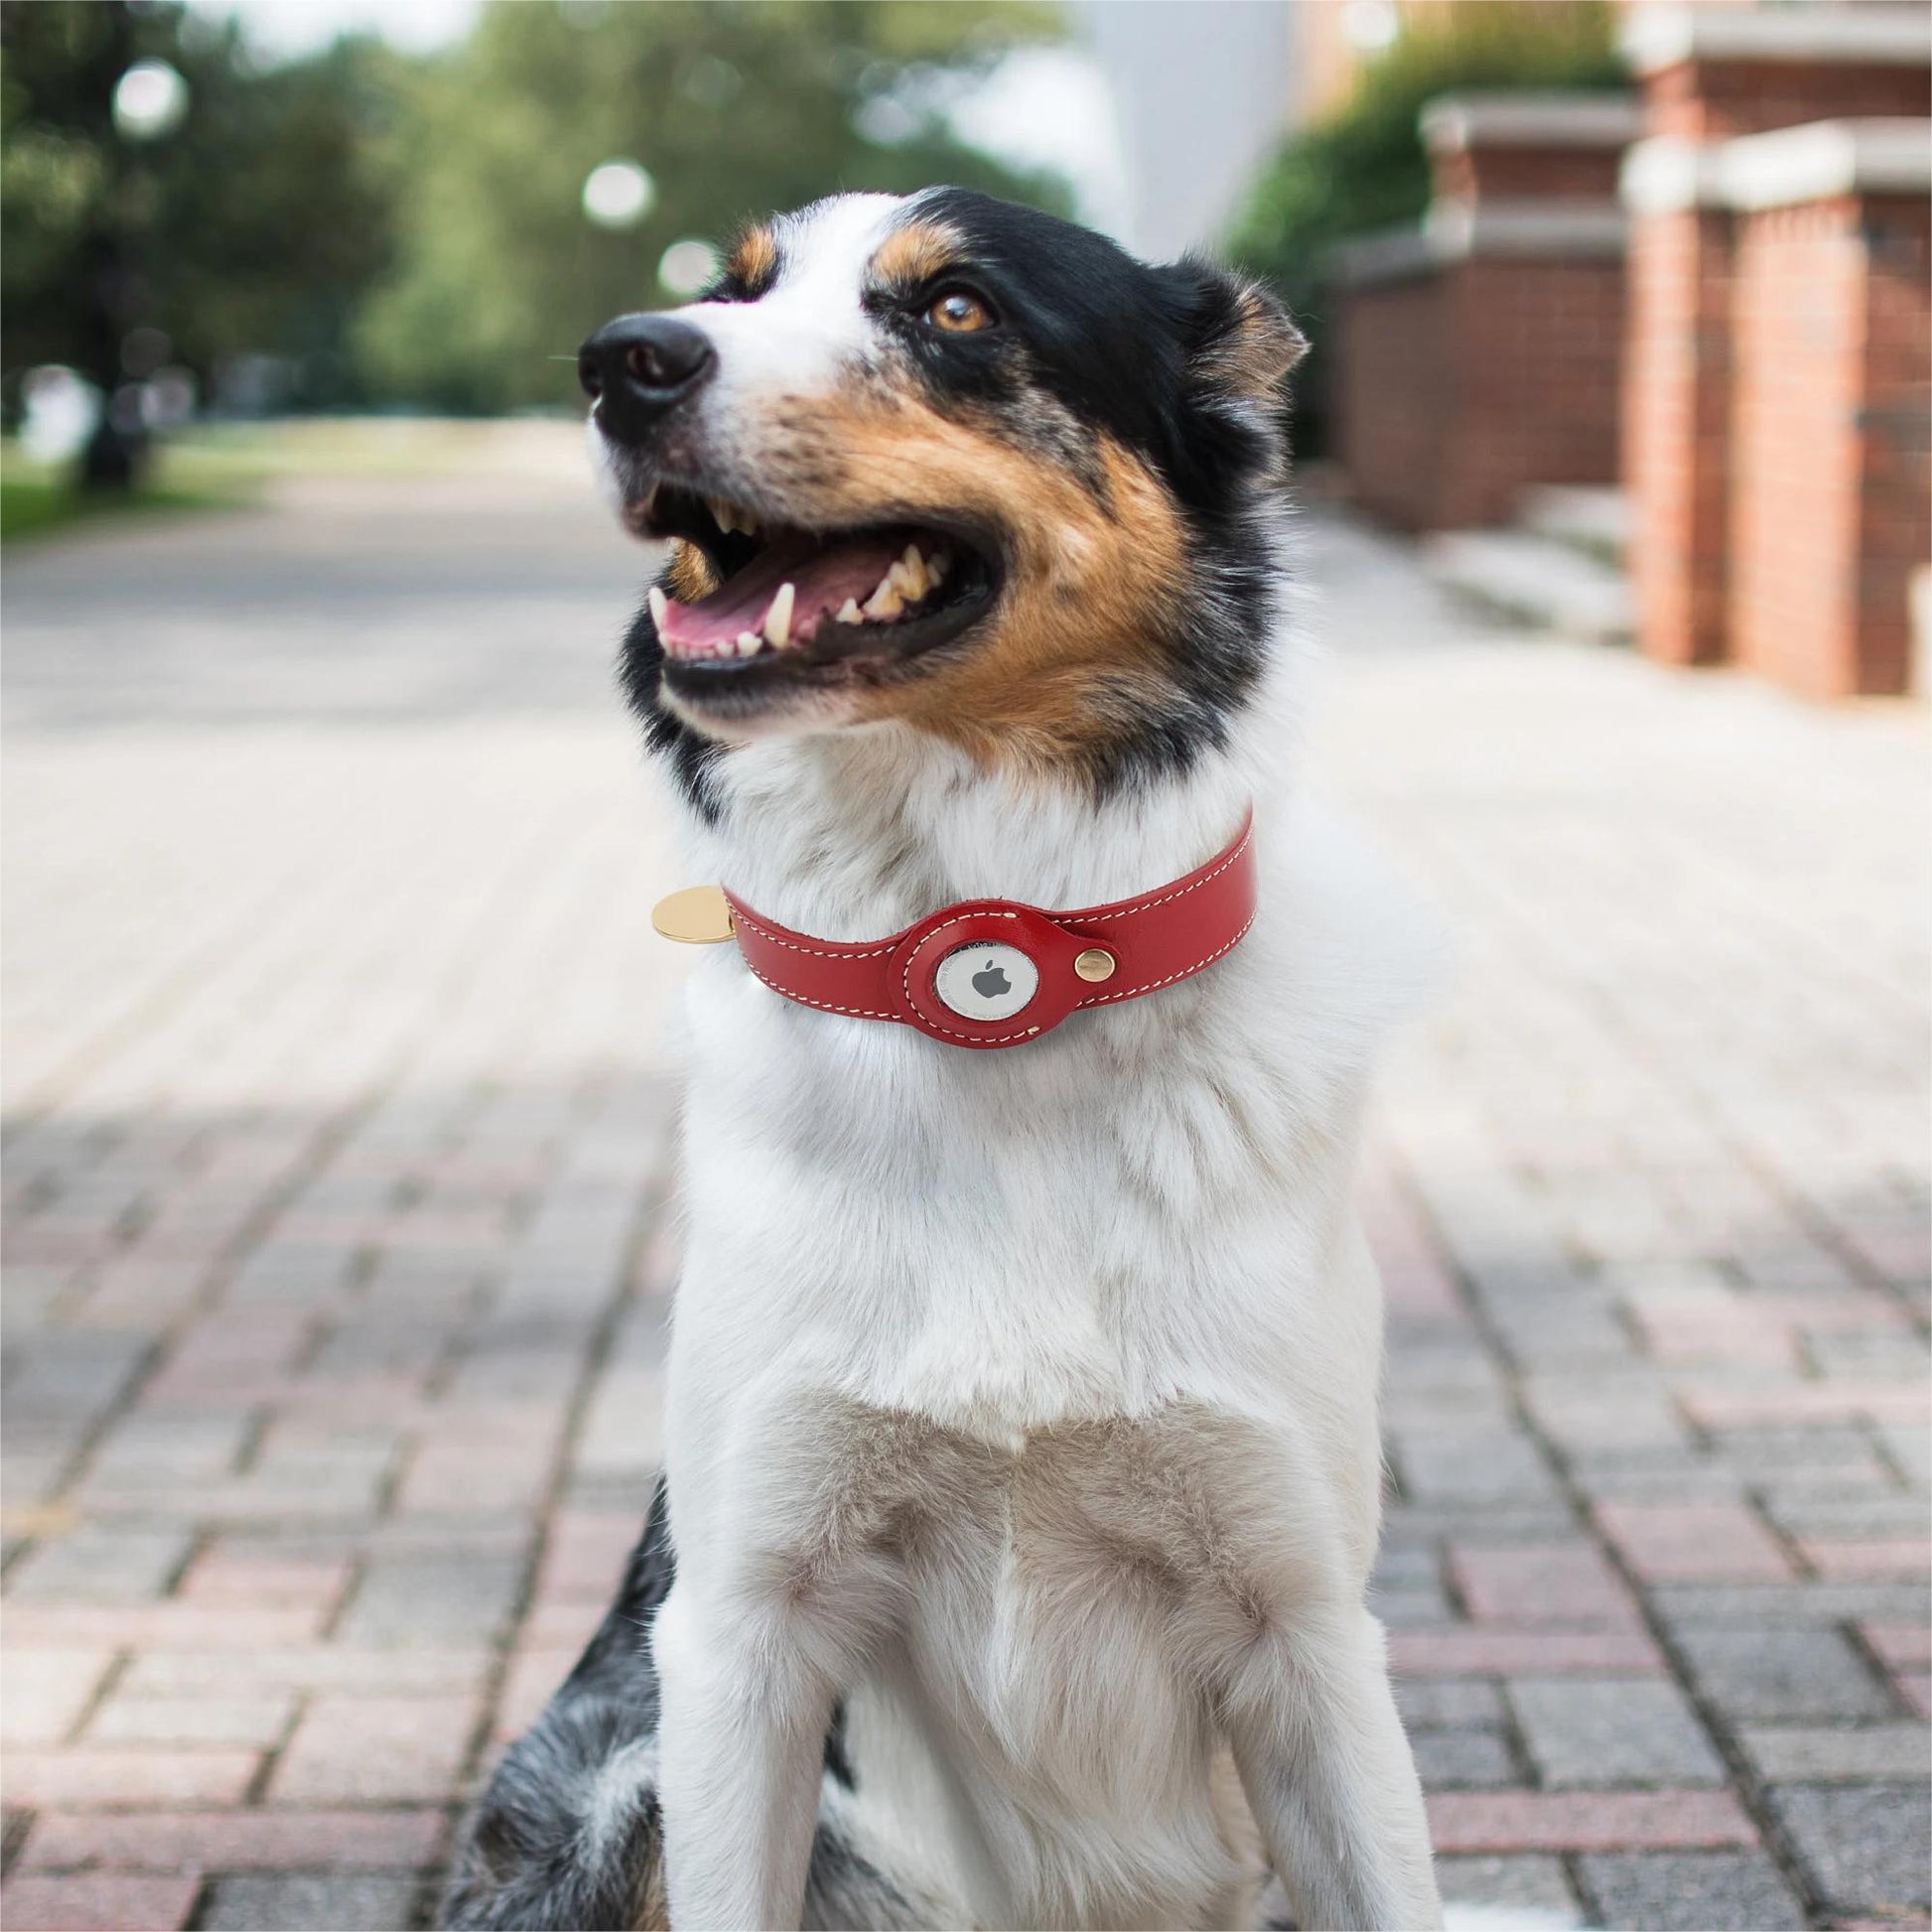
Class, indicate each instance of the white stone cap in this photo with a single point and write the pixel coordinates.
(1889, 36)
(1827, 158)
(1453, 122)
(1668, 173)
(1549, 230)
(1528, 227)
(1790, 164)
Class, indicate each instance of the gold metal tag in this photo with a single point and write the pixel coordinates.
(700, 915)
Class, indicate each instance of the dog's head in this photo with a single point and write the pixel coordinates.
(957, 464)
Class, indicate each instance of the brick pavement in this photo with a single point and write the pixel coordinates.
(338, 1257)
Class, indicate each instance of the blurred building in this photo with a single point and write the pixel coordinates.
(1202, 90)
(1332, 39)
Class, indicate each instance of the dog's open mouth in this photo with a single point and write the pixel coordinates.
(822, 604)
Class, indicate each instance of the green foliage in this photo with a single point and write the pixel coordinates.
(273, 221)
(411, 231)
(252, 228)
(58, 66)
(734, 109)
(1363, 166)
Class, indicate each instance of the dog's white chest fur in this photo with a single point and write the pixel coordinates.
(1020, 1390)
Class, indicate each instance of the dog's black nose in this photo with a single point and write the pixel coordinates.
(636, 367)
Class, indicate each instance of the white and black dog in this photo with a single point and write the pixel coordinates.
(1023, 1480)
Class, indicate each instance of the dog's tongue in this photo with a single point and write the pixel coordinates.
(822, 579)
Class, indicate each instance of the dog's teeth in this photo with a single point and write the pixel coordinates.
(660, 604)
(849, 613)
(730, 516)
(908, 574)
(747, 643)
(937, 565)
(886, 600)
(777, 620)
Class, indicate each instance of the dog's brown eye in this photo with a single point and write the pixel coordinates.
(959, 312)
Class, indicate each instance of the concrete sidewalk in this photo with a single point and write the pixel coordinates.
(337, 1263)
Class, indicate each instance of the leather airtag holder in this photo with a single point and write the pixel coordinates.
(991, 972)
(982, 928)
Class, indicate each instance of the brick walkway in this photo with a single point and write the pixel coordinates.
(338, 1257)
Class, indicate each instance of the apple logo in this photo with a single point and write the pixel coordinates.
(984, 980)
(990, 982)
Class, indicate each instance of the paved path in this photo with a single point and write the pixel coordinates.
(337, 1260)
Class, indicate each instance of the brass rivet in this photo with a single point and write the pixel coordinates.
(700, 915)
(1095, 964)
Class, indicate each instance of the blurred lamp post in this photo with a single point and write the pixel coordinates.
(619, 195)
(150, 102)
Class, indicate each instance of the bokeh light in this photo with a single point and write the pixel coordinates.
(687, 267)
(619, 195)
(150, 100)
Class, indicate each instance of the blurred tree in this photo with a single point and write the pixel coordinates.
(733, 108)
(1363, 166)
(272, 221)
(252, 226)
(62, 203)
(413, 231)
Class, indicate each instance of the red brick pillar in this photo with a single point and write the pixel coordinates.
(1675, 410)
(1830, 511)
(1710, 73)
(1478, 352)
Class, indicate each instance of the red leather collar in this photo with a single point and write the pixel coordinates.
(990, 972)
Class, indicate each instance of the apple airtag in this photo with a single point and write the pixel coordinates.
(988, 982)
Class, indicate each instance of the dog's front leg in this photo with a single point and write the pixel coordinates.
(742, 1741)
(1330, 1779)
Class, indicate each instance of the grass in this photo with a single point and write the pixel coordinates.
(34, 501)
(226, 466)
(38, 498)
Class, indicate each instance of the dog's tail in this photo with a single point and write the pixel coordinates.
(567, 1834)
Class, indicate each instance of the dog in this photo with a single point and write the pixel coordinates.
(1023, 1471)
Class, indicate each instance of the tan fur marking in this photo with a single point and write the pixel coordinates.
(753, 259)
(654, 1905)
(1070, 661)
(1070, 658)
(916, 253)
(690, 575)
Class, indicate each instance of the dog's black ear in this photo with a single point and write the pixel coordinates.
(1241, 339)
